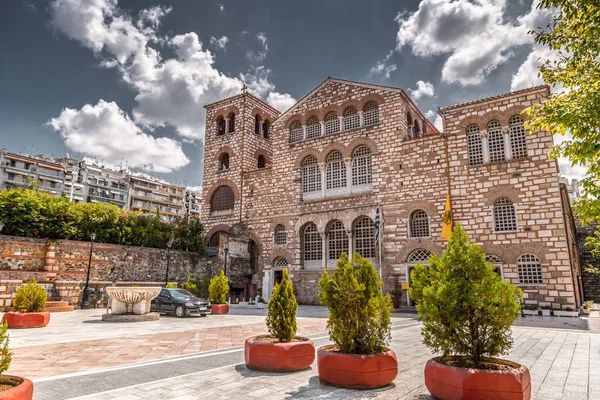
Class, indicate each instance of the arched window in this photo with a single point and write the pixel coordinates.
(474, 145)
(505, 217)
(280, 263)
(409, 124)
(337, 240)
(313, 128)
(332, 123)
(496, 262)
(220, 126)
(364, 237)
(296, 132)
(280, 235)
(214, 240)
(530, 270)
(266, 129)
(518, 139)
(371, 113)
(231, 117)
(257, 120)
(361, 166)
(418, 255)
(336, 171)
(261, 161)
(496, 141)
(312, 243)
(222, 199)
(419, 224)
(351, 118)
(311, 175)
(224, 162)
(417, 130)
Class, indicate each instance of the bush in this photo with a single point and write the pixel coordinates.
(465, 306)
(281, 317)
(191, 287)
(171, 286)
(359, 313)
(5, 355)
(30, 298)
(218, 289)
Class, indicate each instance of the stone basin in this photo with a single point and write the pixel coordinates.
(132, 300)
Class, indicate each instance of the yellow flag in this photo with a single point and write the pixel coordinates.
(447, 226)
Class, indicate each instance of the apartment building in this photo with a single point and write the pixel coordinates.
(193, 203)
(152, 196)
(26, 171)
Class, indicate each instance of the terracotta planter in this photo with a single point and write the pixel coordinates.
(23, 391)
(27, 320)
(279, 357)
(364, 371)
(453, 383)
(219, 309)
(395, 302)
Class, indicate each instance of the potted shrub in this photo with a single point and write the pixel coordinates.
(358, 324)
(586, 307)
(281, 350)
(11, 387)
(546, 311)
(567, 312)
(217, 294)
(396, 297)
(260, 304)
(29, 303)
(467, 312)
(530, 310)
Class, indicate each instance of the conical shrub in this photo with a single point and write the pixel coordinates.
(218, 289)
(281, 316)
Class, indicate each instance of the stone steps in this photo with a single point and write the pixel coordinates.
(58, 306)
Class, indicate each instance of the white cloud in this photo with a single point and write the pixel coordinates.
(219, 43)
(430, 114)
(221, 7)
(197, 189)
(476, 35)
(439, 123)
(382, 67)
(424, 89)
(527, 75)
(259, 55)
(280, 101)
(105, 132)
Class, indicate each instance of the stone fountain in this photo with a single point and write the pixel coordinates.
(131, 304)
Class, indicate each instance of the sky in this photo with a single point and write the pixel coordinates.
(124, 82)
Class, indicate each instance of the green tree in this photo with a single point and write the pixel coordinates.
(60, 219)
(20, 211)
(465, 306)
(218, 289)
(281, 315)
(30, 297)
(5, 354)
(359, 314)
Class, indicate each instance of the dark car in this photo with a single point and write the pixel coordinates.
(179, 302)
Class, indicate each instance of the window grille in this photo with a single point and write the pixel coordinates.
(332, 123)
(214, 240)
(224, 162)
(257, 124)
(336, 171)
(496, 142)
(361, 166)
(311, 175)
(266, 129)
(313, 244)
(231, 122)
(416, 130)
(313, 128)
(371, 113)
(419, 224)
(419, 255)
(296, 132)
(530, 270)
(261, 161)
(409, 124)
(222, 199)
(518, 138)
(494, 259)
(337, 240)
(220, 126)
(280, 235)
(351, 118)
(505, 218)
(364, 237)
(474, 145)
(280, 262)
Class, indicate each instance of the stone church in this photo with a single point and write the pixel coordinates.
(295, 189)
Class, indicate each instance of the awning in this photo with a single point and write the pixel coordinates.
(17, 158)
(57, 168)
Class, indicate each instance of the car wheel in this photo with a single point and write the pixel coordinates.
(179, 311)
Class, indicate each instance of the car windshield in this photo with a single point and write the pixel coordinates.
(180, 294)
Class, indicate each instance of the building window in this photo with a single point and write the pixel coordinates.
(418, 255)
(220, 126)
(518, 139)
(371, 113)
(332, 123)
(266, 128)
(224, 162)
(336, 171)
(214, 240)
(280, 236)
(296, 132)
(280, 263)
(261, 161)
(337, 240)
(361, 166)
(351, 118)
(222, 199)
(364, 237)
(530, 270)
(419, 224)
(409, 124)
(257, 124)
(416, 130)
(313, 128)
(311, 175)
(496, 142)
(496, 262)
(474, 145)
(505, 217)
(231, 122)
(313, 245)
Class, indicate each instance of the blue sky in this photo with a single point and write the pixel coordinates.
(124, 82)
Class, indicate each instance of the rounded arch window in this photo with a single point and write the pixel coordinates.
(332, 123)
(266, 128)
(257, 120)
(313, 128)
(311, 175)
(505, 217)
(296, 132)
(220, 126)
(474, 145)
(224, 162)
(362, 172)
(419, 255)
(231, 117)
(371, 113)
(496, 141)
(222, 199)
(336, 170)
(518, 138)
(280, 235)
(312, 245)
(417, 130)
(337, 240)
(530, 270)
(364, 237)
(351, 118)
(419, 224)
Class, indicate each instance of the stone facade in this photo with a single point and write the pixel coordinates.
(412, 167)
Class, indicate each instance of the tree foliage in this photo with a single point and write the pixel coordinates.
(465, 306)
(359, 314)
(5, 354)
(218, 289)
(30, 298)
(281, 316)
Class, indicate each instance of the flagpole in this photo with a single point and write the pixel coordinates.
(379, 238)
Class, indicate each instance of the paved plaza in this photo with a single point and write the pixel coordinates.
(78, 356)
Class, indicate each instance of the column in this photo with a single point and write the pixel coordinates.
(260, 128)
(348, 162)
(322, 128)
(323, 169)
(226, 125)
(350, 244)
(485, 148)
(341, 118)
(324, 241)
(304, 132)
(361, 115)
(507, 148)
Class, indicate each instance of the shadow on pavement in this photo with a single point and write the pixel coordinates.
(246, 372)
(315, 389)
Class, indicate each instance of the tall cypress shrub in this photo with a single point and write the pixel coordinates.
(281, 316)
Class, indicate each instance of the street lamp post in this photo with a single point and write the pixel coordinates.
(169, 244)
(84, 298)
(226, 250)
